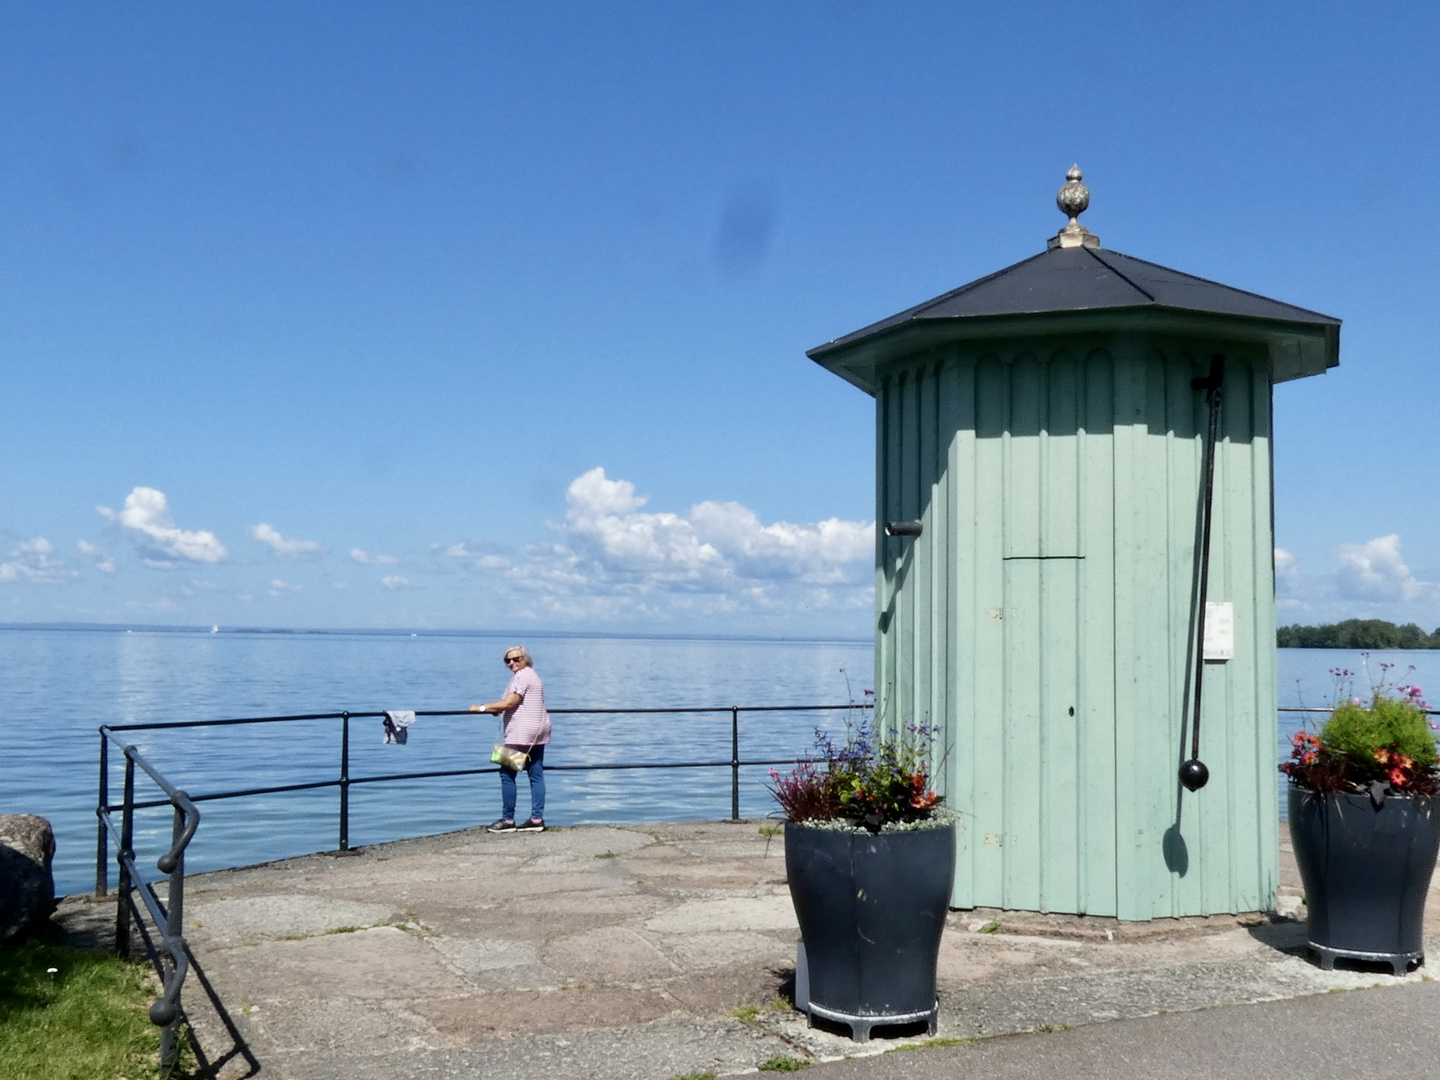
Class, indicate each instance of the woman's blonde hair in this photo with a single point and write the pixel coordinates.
(522, 652)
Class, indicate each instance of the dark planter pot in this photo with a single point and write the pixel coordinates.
(1366, 871)
(871, 910)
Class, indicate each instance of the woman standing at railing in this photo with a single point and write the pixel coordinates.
(526, 730)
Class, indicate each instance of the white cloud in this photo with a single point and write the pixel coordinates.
(339, 584)
(480, 557)
(35, 561)
(611, 557)
(103, 561)
(394, 581)
(359, 556)
(1375, 571)
(146, 520)
(286, 549)
(276, 587)
(1368, 580)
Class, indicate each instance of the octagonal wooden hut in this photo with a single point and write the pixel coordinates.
(1040, 458)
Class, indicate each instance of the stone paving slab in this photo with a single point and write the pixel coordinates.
(648, 952)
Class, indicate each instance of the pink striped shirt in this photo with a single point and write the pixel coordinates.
(528, 723)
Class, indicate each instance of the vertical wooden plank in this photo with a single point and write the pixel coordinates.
(964, 717)
(923, 547)
(1024, 753)
(907, 506)
(988, 717)
(1154, 767)
(1230, 886)
(940, 524)
(1096, 745)
(1263, 693)
(1023, 488)
(1060, 636)
(1187, 857)
(1023, 733)
(1060, 465)
(889, 506)
(1129, 439)
(1060, 836)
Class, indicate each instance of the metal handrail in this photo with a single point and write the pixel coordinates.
(1331, 708)
(166, 1012)
(344, 780)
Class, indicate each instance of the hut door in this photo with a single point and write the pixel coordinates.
(1042, 734)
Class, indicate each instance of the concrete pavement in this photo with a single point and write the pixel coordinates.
(656, 951)
(1366, 1035)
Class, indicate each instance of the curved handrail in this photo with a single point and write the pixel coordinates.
(165, 1010)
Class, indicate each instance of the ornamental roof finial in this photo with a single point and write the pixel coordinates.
(1072, 198)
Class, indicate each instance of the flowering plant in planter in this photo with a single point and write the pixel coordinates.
(863, 783)
(1384, 747)
(870, 863)
(1363, 824)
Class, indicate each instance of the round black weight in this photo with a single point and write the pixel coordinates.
(1194, 775)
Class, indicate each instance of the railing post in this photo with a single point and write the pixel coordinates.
(174, 931)
(127, 853)
(345, 781)
(102, 835)
(734, 763)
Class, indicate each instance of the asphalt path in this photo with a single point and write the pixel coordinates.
(1382, 1034)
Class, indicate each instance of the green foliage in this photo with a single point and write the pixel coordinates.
(1391, 741)
(707, 1074)
(1356, 733)
(1357, 634)
(84, 1020)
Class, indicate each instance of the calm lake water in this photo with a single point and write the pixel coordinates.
(58, 686)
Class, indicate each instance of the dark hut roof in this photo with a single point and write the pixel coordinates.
(1075, 282)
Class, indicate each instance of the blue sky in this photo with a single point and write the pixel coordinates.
(336, 310)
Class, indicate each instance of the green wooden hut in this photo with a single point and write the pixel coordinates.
(1042, 431)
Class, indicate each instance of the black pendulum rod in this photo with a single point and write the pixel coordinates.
(1194, 774)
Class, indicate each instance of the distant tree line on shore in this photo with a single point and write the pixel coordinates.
(1357, 634)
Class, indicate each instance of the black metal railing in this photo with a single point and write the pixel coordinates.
(168, 917)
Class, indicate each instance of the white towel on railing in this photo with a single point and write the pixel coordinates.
(397, 724)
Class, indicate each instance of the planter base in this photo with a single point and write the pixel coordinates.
(860, 1025)
(1399, 962)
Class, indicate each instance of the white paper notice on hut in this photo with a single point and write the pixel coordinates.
(1219, 630)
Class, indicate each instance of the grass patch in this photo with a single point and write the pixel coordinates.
(88, 1018)
(783, 1064)
(708, 1074)
(992, 927)
(607, 855)
(747, 1013)
(771, 830)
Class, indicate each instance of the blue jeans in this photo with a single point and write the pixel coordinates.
(535, 769)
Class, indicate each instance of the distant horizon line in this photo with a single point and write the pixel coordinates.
(215, 628)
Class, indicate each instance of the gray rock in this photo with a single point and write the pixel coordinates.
(27, 888)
